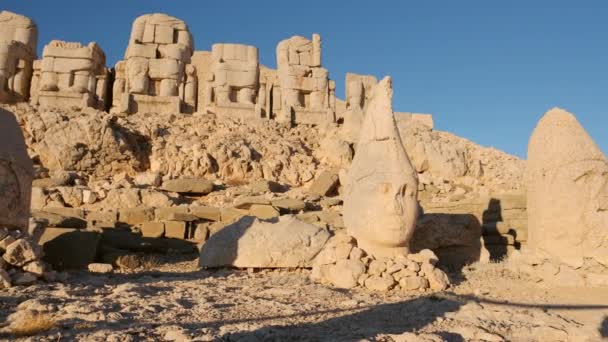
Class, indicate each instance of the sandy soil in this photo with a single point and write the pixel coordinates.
(177, 301)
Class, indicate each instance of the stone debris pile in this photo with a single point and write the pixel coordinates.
(344, 265)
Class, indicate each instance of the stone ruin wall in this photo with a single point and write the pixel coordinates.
(18, 41)
(162, 73)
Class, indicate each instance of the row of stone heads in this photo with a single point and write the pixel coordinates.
(161, 72)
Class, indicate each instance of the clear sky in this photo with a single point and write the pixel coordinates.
(486, 70)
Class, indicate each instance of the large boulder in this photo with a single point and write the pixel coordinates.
(380, 205)
(567, 181)
(16, 174)
(249, 242)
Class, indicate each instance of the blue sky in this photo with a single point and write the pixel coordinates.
(487, 70)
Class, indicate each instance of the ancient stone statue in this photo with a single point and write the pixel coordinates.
(18, 39)
(71, 74)
(567, 184)
(380, 205)
(307, 94)
(16, 174)
(155, 76)
(358, 95)
(234, 81)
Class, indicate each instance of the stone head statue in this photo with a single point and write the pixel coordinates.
(381, 207)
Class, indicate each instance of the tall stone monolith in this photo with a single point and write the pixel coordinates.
(380, 205)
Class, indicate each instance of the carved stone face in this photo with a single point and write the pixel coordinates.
(390, 216)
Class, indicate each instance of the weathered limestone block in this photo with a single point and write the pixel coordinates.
(358, 95)
(424, 119)
(16, 174)
(380, 204)
(70, 74)
(307, 94)
(253, 243)
(157, 74)
(18, 40)
(188, 185)
(567, 182)
(202, 60)
(20, 252)
(359, 90)
(234, 82)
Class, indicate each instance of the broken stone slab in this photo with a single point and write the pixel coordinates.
(49, 182)
(67, 248)
(264, 186)
(206, 213)
(245, 202)
(59, 220)
(181, 217)
(289, 204)
(232, 214)
(71, 212)
(188, 185)
(263, 212)
(325, 184)
(249, 242)
(20, 252)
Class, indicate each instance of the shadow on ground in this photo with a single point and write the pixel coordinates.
(369, 322)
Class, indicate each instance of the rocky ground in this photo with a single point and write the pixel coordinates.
(173, 300)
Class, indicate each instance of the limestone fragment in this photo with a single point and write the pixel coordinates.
(20, 253)
(345, 273)
(188, 185)
(253, 243)
(324, 184)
